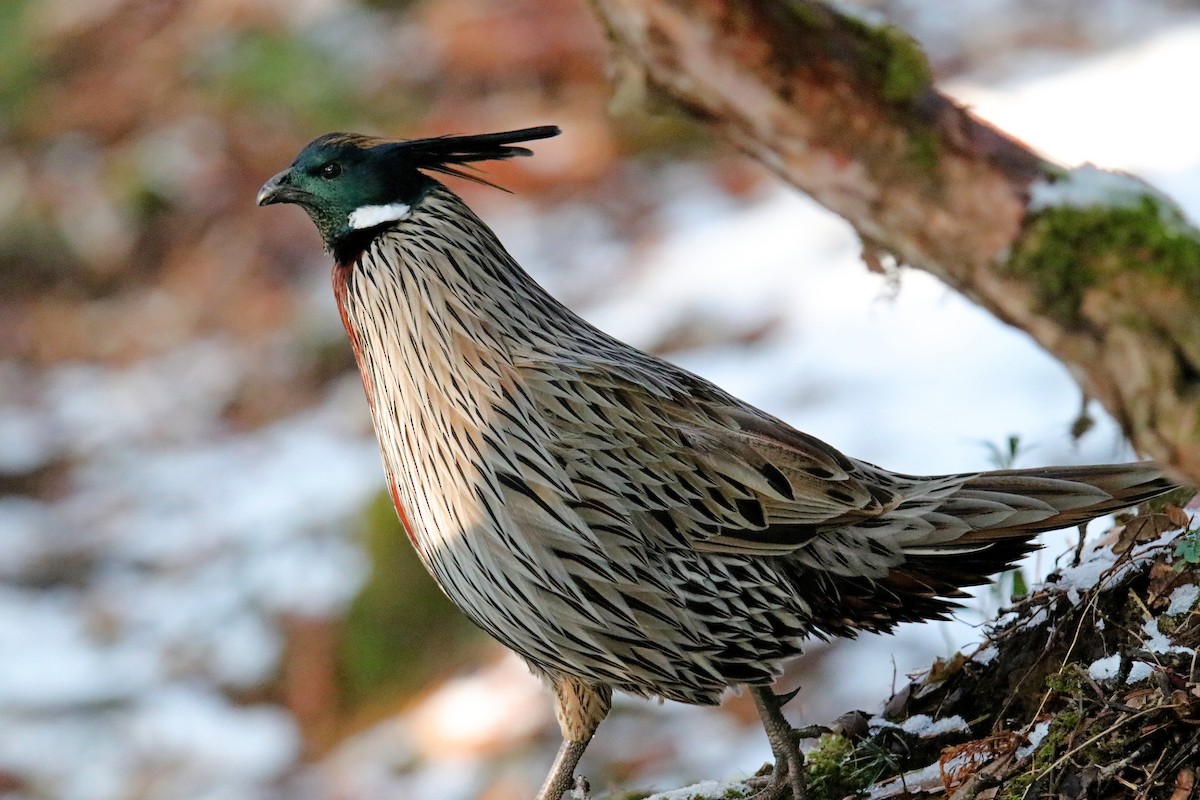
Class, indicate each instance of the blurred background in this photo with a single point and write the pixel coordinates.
(204, 593)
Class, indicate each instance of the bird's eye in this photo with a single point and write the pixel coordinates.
(331, 170)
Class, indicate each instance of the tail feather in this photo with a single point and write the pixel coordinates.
(1001, 513)
(956, 531)
(1051, 498)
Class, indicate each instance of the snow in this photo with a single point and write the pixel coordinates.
(1036, 619)
(705, 790)
(1101, 567)
(923, 725)
(1106, 668)
(171, 559)
(1088, 186)
(1183, 599)
(196, 743)
(1120, 110)
(1034, 738)
(1154, 641)
(928, 779)
(1140, 671)
(189, 722)
(1087, 574)
(927, 728)
(986, 655)
(1157, 642)
(53, 660)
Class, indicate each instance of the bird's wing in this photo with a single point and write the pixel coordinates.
(779, 489)
(818, 475)
(693, 467)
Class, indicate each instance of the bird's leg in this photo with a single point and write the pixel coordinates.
(580, 708)
(562, 772)
(788, 771)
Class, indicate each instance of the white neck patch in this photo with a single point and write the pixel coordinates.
(370, 216)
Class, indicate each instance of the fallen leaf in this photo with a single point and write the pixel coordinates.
(1185, 782)
(1144, 528)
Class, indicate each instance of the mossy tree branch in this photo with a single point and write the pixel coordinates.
(846, 111)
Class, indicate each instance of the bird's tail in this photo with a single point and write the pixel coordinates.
(968, 528)
(1023, 502)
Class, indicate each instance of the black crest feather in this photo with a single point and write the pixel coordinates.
(446, 154)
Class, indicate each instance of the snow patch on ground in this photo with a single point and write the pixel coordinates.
(1140, 671)
(705, 790)
(927, 779)
(1154, 642)
(986, 655)
(926, 727)
(1157, 642)
(922, 725)
(1183, 599)
(1101, 567)
(1087, 574)
(1034, 738)
(136, 601)
(1106, 668)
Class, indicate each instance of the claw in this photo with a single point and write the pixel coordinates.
(788, 774)
(787, 697)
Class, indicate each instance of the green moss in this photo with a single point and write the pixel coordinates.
(1067, 681)
(1064, 251)
(1017, 787)
(831, 752)
(400, 631)
(1090, 741)
(837, 769)
(897, 63)
(896, 66)
(924, 149)
(1062, 729)
(806, 14)
(886, 66)
(893, 61)
(905, 68)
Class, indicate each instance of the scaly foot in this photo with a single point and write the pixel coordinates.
(788, 772)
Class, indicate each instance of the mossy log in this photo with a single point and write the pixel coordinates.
(1099, 268)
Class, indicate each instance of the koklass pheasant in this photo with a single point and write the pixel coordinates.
(618, 521)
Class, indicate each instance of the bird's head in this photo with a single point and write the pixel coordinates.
(353, 185)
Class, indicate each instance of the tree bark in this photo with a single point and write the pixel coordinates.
(1100, 269)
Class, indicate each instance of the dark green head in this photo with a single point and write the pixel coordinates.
(353, 186)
